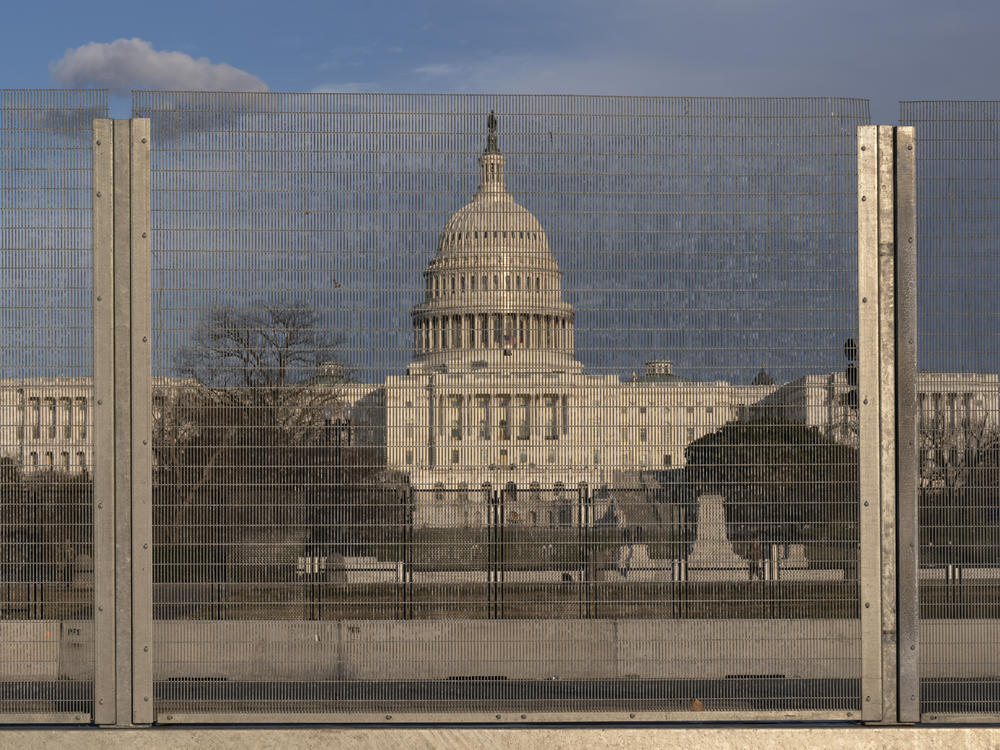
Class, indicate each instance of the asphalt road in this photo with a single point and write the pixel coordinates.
(508, 696)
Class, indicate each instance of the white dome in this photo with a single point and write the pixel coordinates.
(494, 223)
(493, 289)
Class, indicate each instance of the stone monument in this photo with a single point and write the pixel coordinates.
(712, 557)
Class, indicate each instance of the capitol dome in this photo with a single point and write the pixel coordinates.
(493, 291)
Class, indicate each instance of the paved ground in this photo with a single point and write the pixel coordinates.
(736, 694)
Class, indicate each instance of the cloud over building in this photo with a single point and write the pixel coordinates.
(125, 64)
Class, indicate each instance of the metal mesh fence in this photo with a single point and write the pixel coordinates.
(503, 404)
(46, 411)
(958, 226)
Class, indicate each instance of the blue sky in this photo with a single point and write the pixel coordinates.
(884, 51)
(879, 51)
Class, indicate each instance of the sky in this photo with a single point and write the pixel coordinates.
(879, 51)
(883, 51)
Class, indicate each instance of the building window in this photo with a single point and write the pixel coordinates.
(690, 433)
(690, 410)
(524, 457)
(409, 458)
(642, 435)
(534, 492)
(456, 420)
(439, 492)
(597, 457)
(667, 459)
(483, 405)
(52, 417)
(81, 459)
(523, 425)
(454, 457)
(551, 405)
(68, 421)
(48, 460)
(552, 457)
(36, 417)
(64, 459)
(34, 459)
(709, 409)
(642, 409)
(504, 424)
(642, 459)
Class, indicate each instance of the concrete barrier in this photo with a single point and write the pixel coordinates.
(715, 649)
(960, 648)
(516, 649)
(29, 649)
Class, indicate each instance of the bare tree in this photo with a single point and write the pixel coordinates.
(949, 452)
(249, 412)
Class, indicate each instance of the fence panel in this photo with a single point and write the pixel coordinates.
(958, 244)
(47, 449)
(583, 446)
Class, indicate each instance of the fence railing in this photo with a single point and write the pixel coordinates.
(638, 432)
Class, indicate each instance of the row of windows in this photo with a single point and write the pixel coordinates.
(523, 426)
(508, 331)
(438, 287)
(49, 458)
(559, 492)
(504, 457)
(689, 409)
(74, 418)
(496, 234)
(951, 409)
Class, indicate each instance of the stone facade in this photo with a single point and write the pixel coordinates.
(46, 424)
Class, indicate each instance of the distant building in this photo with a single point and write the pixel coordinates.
(46, 423)
(494, 393)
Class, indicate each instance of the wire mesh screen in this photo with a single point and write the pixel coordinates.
(46, 424)
(505, 404)
(958, 228)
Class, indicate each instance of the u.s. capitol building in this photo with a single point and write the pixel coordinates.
(494, 393)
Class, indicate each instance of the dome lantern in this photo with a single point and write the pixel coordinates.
(492, 161)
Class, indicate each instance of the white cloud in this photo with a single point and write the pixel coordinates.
(125, 64)
(439, 69)
(606, 73)
(350, 87)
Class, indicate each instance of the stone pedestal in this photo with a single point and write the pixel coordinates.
(796, 559)
(712, 556)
